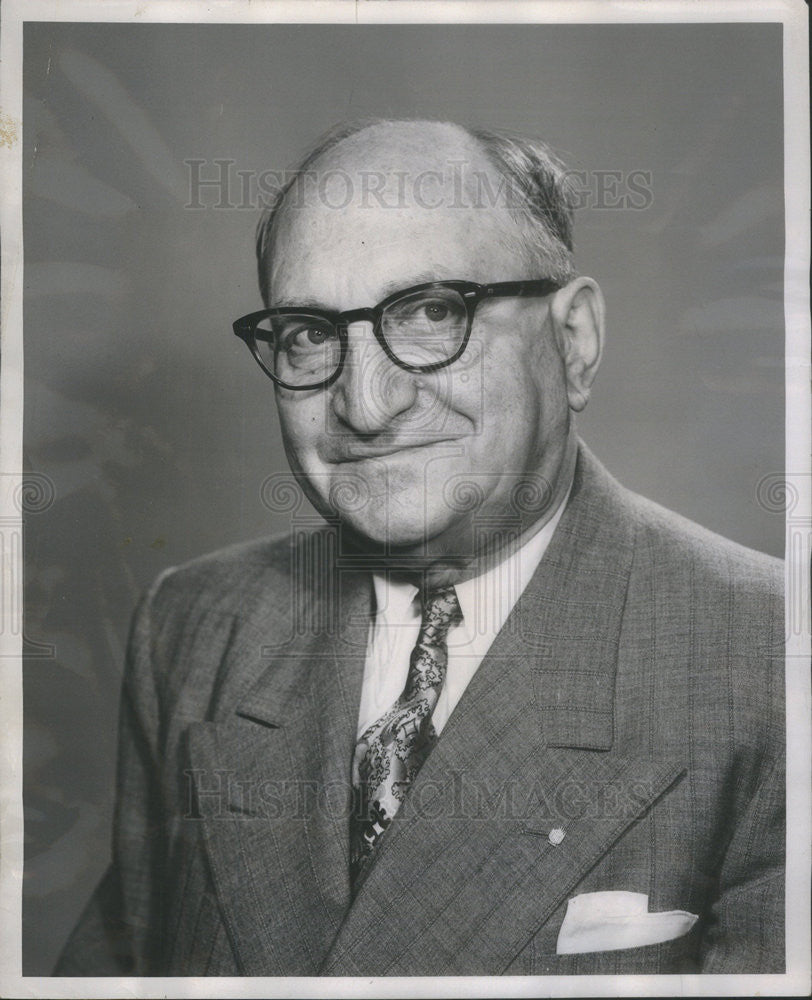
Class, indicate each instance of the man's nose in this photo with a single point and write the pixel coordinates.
(371, 389)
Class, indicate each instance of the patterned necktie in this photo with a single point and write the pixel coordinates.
(392, 750)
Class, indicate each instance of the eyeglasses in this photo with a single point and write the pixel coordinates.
(421, 329)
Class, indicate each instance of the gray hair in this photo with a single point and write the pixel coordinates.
(536, 187)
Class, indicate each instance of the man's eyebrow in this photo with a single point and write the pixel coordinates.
(389, 288)
(420, 278)
(299, 303)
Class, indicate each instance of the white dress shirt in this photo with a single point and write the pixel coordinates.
(485, 601)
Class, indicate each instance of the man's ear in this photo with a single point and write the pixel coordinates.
(577, 314)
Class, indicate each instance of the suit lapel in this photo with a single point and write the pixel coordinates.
(467, 872)
(277, 835)
(464, 884)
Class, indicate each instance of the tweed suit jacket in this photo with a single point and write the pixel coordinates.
(624, 734)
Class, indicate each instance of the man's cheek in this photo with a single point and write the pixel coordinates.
(301, 434)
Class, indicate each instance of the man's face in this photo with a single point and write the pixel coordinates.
(422, 462)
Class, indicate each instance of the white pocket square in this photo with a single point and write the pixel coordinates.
(609, 921)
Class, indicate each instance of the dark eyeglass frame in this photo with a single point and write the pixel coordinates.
(471, 292)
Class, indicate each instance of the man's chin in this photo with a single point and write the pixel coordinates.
(372, 538)
(409, 544)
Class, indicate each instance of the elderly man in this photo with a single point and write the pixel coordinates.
(498, 715)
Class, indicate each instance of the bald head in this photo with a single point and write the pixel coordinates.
(515, 186)
(390, 144)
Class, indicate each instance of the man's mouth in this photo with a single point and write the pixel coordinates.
(357, 452)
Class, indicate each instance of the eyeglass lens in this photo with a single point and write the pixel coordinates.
(420, 329)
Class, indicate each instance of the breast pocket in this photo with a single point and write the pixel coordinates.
(678, 956)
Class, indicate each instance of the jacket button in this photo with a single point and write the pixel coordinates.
(556, 836)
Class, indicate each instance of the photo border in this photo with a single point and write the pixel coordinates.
(798, 481)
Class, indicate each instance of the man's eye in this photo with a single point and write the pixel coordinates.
(425, 312)
(316, 336)
(307, 337)
(436, 311)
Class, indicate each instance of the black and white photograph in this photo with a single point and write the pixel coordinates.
(406, 499)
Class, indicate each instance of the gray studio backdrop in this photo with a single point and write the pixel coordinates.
(156, 430)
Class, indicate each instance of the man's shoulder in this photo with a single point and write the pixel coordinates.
(731, 596)
(249, 593)
(231, 577)
(681, 542)
(256, 555)
(675, 545)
